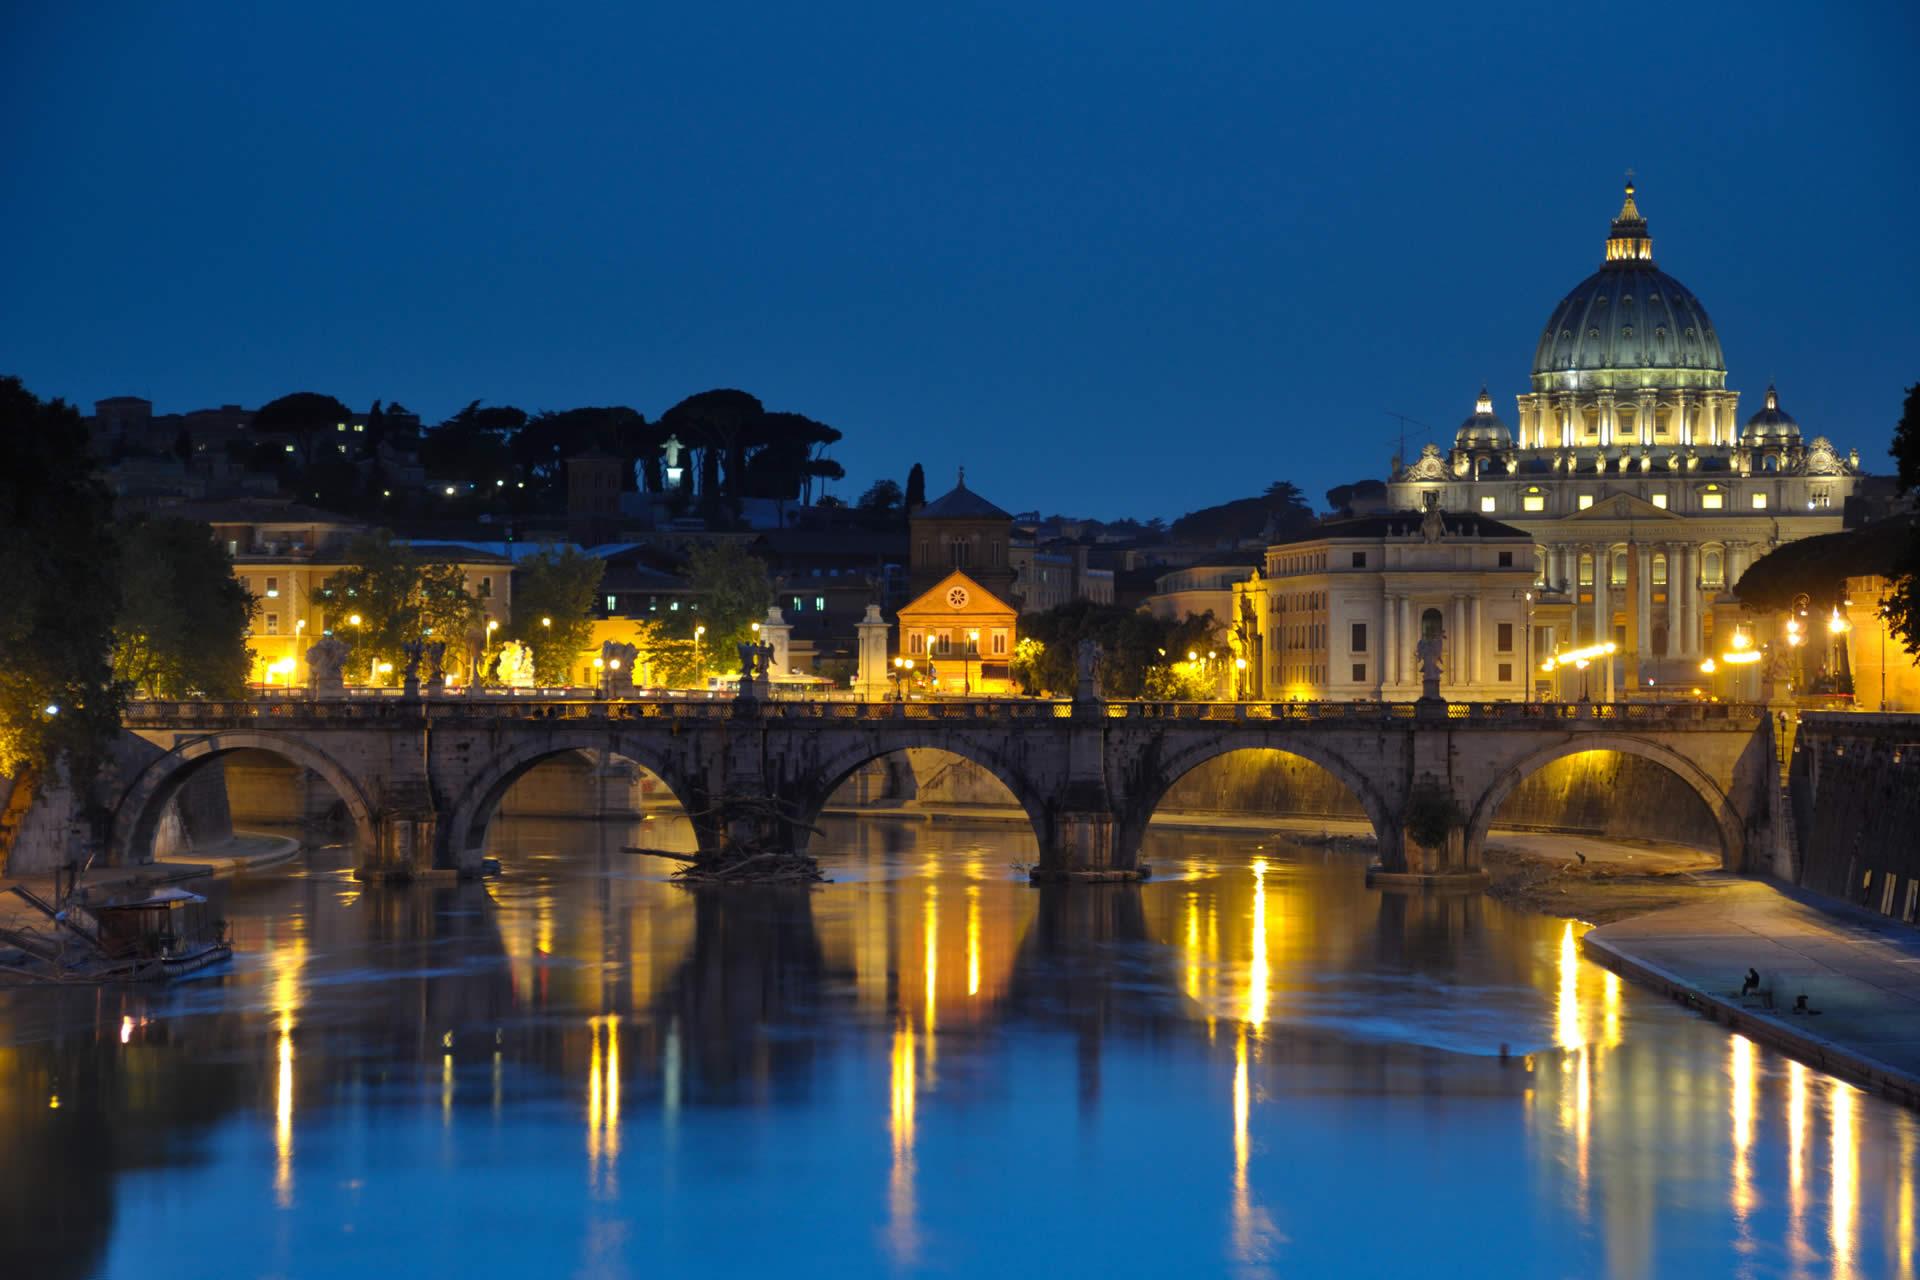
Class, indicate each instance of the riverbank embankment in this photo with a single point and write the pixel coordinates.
(1859, 972)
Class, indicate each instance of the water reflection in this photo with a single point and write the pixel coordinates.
(1263, 1015)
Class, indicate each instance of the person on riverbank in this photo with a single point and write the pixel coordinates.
(1752, 984)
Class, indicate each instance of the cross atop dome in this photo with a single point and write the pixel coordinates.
(1628, 240)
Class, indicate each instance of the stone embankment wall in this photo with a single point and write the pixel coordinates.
(1597, 793)
(1854, 806)
(50, 832)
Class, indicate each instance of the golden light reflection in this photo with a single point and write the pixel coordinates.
(973, 940)
(1193, 945)
(446, 1090)
(930, 930)
(1259, 977)
(283, 1117)
(1909, 1157)
(1796, 1162)
(1251, 1228)
(1741, 1098)
(1567, 1009)
(903, 1235)
(603, 1104)
(1610, 1009)
(285, 994)
(1846, 1174)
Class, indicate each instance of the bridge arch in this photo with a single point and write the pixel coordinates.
(1135, 817)
(463, 835)
(137, 815)
(818, 787)
(1726, 819)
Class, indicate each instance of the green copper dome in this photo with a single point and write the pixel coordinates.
(1629, 325)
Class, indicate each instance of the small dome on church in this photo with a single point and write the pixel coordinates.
(1483, 430)
(1772, 425)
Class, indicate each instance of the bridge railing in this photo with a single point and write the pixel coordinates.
(210, 714)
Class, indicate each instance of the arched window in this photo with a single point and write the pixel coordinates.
(1586, 568)
(1618, 576)
(1710, 569)
(1430, 625)
(1659, 570)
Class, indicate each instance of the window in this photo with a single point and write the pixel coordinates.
(1359, 559)
(1710, 569)
(799, 604)
(819, 604)
(233, 546)
(1618, 577)
(1359, 673)
(1759, 502)
(486, 588)
(1660, 500)
(613, 602)
(1533, 500)
(960, 554)
(1711, 499)
(1584, 501)
(653, 604)
(1586, 569)
(1503, 639)
(1487, 503)
(273, 624)
(1506, 672)
(999, 642)
(1359, 637)
(1506, 559)
(915, 644)
(273, 588)
(673, 606)
(1659, 571)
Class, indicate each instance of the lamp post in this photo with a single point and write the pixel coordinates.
(699, 663)
(967, 660)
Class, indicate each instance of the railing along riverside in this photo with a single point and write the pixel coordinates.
(196, 712)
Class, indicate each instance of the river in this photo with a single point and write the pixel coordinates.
(1251, 1065)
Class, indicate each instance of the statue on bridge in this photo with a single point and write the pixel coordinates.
(617, 668)
(1427, 654)
(415, 651)
(325, 659)
(756, 670)
(1086, 664)
(513, 666)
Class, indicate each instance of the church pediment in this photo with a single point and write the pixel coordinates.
(1621, 506)
(956, 596)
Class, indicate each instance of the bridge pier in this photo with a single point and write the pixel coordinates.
(1086, 841)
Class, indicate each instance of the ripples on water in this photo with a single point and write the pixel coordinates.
(1251, 1065)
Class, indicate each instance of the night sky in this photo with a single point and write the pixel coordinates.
(1116, 259)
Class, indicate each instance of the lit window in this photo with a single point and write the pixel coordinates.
(612, 603)
(1759, 502)
(1486, 503)
(819, 604)
(1659, 571)
(1533, 501)
(1712, 499)
(273, 624)
(1586, 570)
(1585, 501)
(1619, 576)
(673, 606)
(799, 605)
(1660, 501)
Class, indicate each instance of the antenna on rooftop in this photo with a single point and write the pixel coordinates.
(1404, 420)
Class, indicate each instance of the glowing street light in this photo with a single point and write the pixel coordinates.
(353, 619)
(546, 622)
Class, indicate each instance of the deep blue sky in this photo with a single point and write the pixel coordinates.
(1116, 258)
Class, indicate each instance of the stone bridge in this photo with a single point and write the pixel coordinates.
(421, 778)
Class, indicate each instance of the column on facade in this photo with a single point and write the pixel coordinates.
(1602, 612)
(1696, 628)
(1673, 551)
(1388, 658)
(1402, 654)
(1643, 601)
(1478, 640)
(1647, 407)
(1457, 668)
(1683, 431)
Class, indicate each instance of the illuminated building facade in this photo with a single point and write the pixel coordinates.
(1339, 610)
(1643, 494)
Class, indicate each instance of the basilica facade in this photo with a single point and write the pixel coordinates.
(1644, 494)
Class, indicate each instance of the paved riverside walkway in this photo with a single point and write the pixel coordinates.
(1862, 972)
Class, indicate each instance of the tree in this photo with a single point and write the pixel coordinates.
(883, 497)
(1278, 513)
(307, 416)
(542, 447)
(916, 488)
(59, 705)
(470, 448)
(1902, 607)
(734, 593)
(181, 631)
(552, 608)
(398, 596)
(1140, 655)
